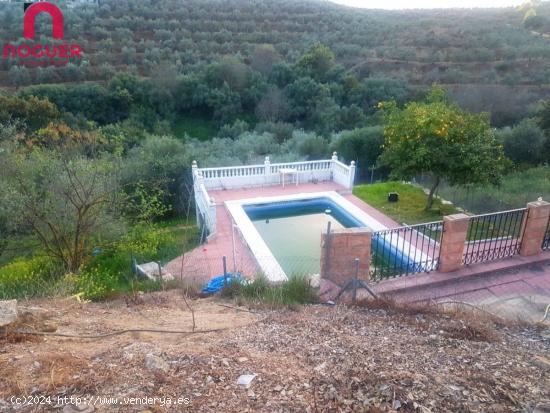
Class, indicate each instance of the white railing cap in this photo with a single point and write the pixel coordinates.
(225, 168)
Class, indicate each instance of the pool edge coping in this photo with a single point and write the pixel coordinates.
(254, 241)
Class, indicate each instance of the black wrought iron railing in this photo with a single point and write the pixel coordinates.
(546, 240)
(494, 236)
(405, 250)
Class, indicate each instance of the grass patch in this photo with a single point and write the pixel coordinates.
(195, 127)
(176, 240)
(410, 209)
(33, 277)
(110, 274)
(260, 292)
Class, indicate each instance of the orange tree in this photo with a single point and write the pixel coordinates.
(442, 140)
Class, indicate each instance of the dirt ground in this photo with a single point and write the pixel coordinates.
(310, 359)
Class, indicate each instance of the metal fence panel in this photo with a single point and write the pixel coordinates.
(494, 236)
(405, 250)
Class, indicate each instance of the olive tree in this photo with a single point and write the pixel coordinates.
(525, 143)
(67, 203)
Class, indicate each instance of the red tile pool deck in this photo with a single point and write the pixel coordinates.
(205, 262)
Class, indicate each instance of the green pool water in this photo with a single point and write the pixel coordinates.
(295, 241)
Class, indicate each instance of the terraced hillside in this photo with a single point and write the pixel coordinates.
(420, 47)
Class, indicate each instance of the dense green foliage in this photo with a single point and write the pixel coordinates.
(526, 143)
(110, 272)
(65, 203)
(35, 277)
(537, 16)
(96, 155)
(495, 58)
(105, 275)
(147, 36)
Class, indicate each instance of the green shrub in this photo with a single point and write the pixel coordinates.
(362, 145)
(97, 282)
(525, 143)
(30, 278)
(142, 242)
(110, 273)
(105, 275)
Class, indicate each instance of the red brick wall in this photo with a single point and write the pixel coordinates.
(339, 251)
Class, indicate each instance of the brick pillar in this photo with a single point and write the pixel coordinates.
(455, 230)
(534, 227)
(338, 253)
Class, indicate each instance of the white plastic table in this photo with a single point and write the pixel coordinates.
(288, 171)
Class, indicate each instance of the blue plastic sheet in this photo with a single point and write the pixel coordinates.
(217, 283)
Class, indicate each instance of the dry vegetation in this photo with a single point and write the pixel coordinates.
(316, 358)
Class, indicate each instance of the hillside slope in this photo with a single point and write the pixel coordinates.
(421, 47)
(313, 359)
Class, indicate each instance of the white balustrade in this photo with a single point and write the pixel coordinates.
(343, 174)
(234, 177)
(205, 205)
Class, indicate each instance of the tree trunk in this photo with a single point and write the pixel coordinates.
(432, 192)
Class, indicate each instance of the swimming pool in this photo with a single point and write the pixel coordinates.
(284, 233)
(292, 230)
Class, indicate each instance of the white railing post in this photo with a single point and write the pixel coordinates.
(267, 169)
(333, 161)
(194, 172)
(194, 168)
(211, 210)
(197, 181)
(351, 174)
(204, 204)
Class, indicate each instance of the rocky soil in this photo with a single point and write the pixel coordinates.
(311, 359)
